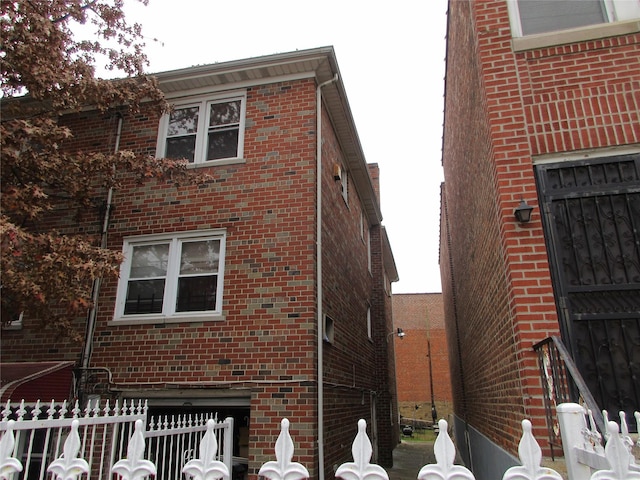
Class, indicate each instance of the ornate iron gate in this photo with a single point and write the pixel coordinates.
(592, 226)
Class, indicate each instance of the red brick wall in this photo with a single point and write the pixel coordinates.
(488, 362)
(503, 108)
(421, 316)
(265, 348)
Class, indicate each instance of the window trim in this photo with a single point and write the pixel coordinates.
(628, 24)
(14, 324)
(369, 250)
(344, 186)
(169, 315)
(203, 101)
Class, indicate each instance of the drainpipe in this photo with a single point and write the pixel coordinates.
(454, 294)
(319, 296)
(95, 293)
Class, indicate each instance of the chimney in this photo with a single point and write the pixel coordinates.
(374, 174)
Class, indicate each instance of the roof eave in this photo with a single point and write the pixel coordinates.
(319, 63)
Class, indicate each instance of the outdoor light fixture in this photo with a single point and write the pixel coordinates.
(523, 212)
(399, 332)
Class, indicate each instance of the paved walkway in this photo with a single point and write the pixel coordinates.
(409, 458)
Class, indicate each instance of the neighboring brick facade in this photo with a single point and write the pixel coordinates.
(262, 355)
(504, 110)
(421, 317)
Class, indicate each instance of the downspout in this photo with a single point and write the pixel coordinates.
(95, 293)
(319, 296)
(454, 303)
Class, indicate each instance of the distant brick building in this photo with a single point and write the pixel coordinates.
(263, 294)
(421, 317)
(542, 105)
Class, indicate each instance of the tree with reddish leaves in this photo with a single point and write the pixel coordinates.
(48, 72)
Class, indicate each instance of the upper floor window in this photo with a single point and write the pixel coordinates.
(529, 17)
(344, 186)
(369, 250)
(203, 129)
(171, 276)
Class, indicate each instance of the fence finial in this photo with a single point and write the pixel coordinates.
(618, 456)
(530, 456)
(207, 467)
(283, 468)
(360, 468)
(445, 452)
(8, 465)
(134, 467)
(69, 466)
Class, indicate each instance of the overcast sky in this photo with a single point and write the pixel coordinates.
(391, 57)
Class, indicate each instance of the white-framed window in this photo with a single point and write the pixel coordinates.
(171, 276)
(530, 17)
(204, 129)
(344, 186)
(15, 323)
(328, 330)
(369, 329)
(369, 249)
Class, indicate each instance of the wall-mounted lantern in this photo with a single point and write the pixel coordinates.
(523, 212)
(399, 332)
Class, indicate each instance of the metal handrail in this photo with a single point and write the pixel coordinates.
(562, 383)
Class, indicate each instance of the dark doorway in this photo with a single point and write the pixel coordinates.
(592, 225)
(241, 416)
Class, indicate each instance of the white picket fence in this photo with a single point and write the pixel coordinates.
(50, 441)
(613, 462)
(586, 457)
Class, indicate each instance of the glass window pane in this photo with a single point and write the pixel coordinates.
(222, 144)
(149, 261)
(539, 16)
(197, 294)
(144, 296)
(224, 113)
(181, 147)
(183, 121)
(200, 257)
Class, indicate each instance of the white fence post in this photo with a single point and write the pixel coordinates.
(572, 425)
(227, 452)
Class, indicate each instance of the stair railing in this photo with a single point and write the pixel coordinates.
(562, 383)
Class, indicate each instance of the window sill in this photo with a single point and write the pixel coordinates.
(218, 163)
(592, 32)
(162, 320)
(12, 327)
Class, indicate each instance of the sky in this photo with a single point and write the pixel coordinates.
(391, 57)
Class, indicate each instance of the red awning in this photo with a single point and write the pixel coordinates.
(32, 381)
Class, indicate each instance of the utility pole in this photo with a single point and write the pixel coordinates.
(434, 413)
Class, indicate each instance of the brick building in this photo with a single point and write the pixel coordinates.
(542, 105)
(218, 303)
(421, 383)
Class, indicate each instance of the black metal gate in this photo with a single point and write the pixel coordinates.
(592, 225)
